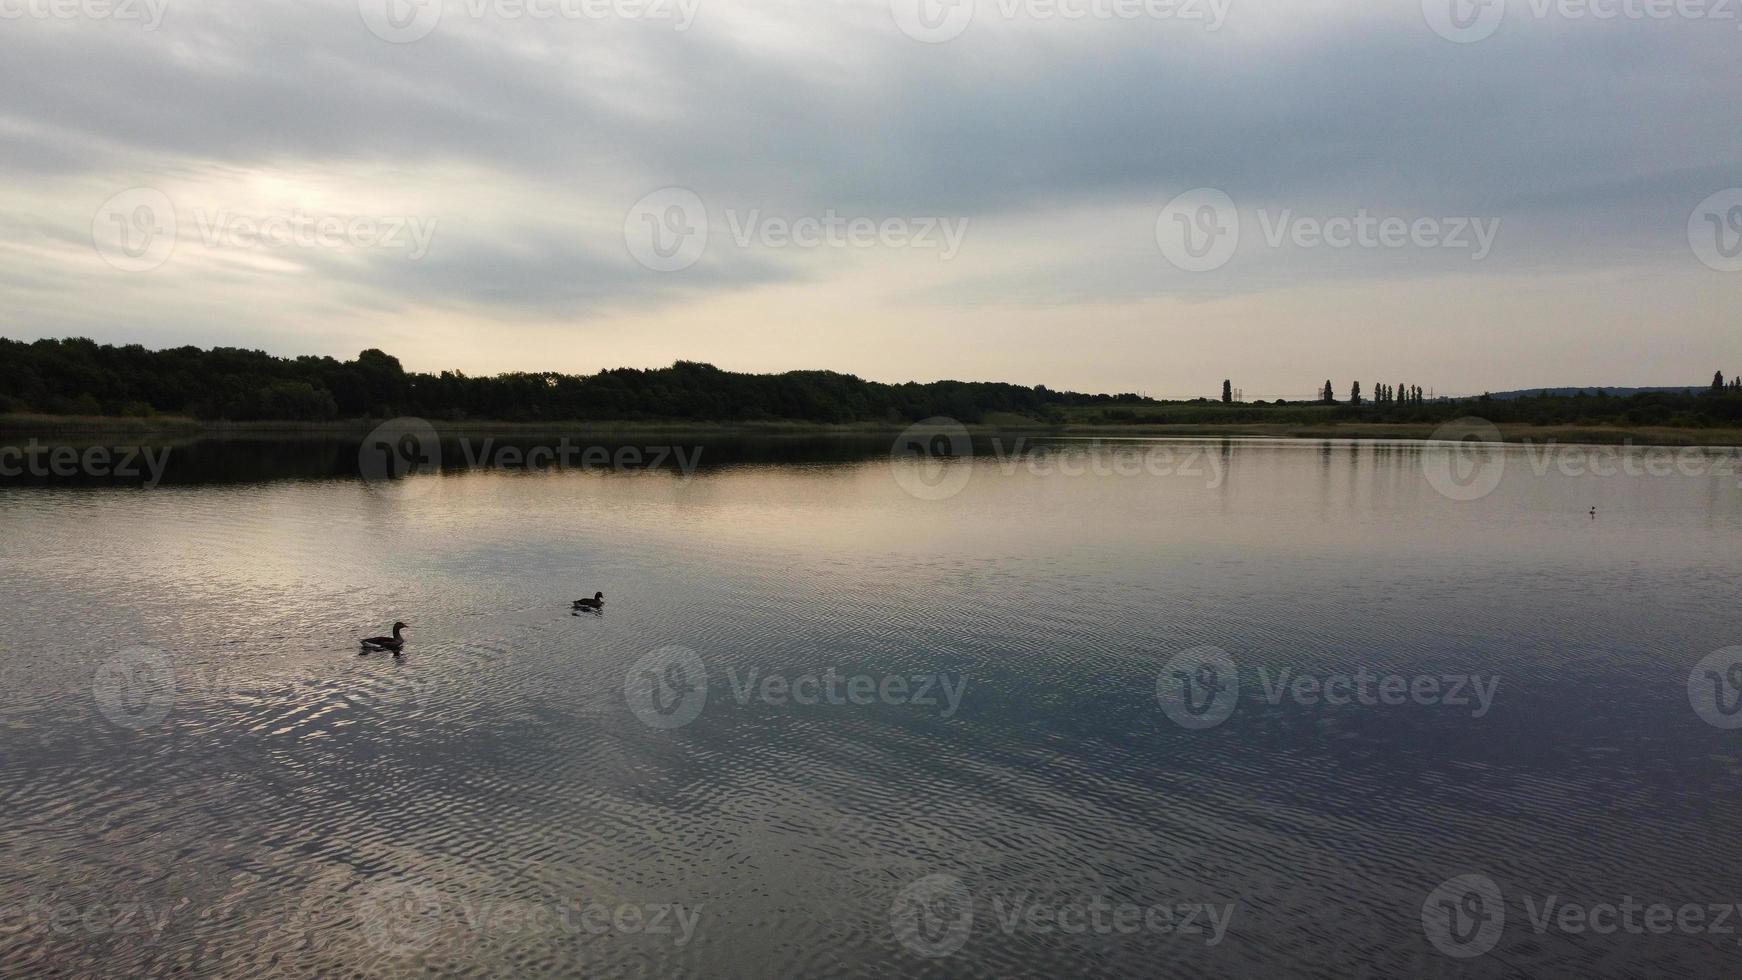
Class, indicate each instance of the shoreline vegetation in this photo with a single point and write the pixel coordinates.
(180, 427)
(77, 387)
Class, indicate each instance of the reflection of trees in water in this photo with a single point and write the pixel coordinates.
(256, 459)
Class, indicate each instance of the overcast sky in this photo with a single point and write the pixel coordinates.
(1152, 196)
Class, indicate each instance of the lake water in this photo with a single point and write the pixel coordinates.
(994, 742)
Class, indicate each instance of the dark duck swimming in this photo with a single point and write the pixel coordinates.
(395, 643)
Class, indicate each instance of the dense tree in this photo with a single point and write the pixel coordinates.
(78, 376)
(1227, 392)
(1355, 394)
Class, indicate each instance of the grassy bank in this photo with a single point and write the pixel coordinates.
(182, 426)
(1510, 432)
(175, 427)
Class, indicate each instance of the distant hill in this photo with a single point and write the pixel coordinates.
(1593, 390)
(80, 377)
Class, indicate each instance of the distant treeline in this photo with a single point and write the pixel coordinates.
(80, 377)
(1719, 405)
(1705, 408)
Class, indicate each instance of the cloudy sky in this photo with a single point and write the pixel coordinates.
(1143, 195)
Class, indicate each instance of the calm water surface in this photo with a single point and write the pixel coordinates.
(199, 773)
